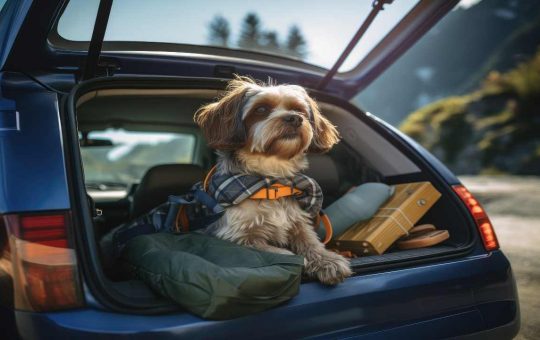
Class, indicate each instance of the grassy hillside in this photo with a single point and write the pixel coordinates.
(454, 57)
(494, 129)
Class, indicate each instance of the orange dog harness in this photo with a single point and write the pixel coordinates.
(274, 192)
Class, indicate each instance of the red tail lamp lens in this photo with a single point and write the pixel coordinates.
(49, 230)
(480, 217)
(45, 221)
(45, 271)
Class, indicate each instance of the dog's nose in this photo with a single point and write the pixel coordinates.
(294, 120)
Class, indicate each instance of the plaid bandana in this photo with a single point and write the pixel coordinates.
(230, 189)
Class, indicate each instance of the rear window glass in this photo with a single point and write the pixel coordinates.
(118, 157)
(313, 31)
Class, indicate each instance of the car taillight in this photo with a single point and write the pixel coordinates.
(48, 230)
(45, 274)
(480, 217)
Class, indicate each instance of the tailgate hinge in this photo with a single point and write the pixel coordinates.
(107, 67)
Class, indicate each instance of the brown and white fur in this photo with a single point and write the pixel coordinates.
(267, 130)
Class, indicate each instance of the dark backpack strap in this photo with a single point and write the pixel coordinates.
(197, 197)
(174, 205)
(163, 217)
(208, 201)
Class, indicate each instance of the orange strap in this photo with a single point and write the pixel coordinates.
(274, 192)
(208, 176)
(182, 221)
(327, 226)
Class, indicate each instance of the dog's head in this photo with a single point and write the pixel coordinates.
(280, 121)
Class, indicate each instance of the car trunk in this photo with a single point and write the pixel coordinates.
(368, 152)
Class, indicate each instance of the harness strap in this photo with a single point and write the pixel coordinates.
(322, 217)
(208, 176)
(182, 222)
(274, 192)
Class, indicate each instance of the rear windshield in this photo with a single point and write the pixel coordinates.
(118, 157)
(312, 31)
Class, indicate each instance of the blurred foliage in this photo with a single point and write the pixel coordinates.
(220, 31)
(455, 56)
(296, 44)
(252, 36)
(494, 129)
(250, 33)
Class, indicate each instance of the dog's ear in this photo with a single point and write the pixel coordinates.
(221, 121)
(325, 134)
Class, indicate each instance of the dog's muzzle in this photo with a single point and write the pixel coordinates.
(294, 120)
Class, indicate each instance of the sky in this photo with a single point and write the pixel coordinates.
(467, 3)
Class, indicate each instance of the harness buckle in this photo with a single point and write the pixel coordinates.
(274, 190)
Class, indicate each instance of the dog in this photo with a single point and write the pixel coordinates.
(266, 130)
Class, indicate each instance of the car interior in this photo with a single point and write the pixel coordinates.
(365, 154)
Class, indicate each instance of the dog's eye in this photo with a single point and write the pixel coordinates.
(262, 110)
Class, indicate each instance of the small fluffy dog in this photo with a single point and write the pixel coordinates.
(265, 130)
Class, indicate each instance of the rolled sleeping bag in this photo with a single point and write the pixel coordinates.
(359, 204)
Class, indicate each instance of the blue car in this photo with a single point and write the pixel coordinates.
(96, 127)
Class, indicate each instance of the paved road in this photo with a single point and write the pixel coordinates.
(513, 204)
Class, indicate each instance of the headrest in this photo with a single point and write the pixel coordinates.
(323, 169)
(161, 181)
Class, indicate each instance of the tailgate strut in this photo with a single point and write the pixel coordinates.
(94, 48)
(377, 7)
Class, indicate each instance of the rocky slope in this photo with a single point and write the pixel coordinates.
(494, 129)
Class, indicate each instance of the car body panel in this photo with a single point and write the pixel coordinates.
(34, 147)
(13, 15)
(440, 300)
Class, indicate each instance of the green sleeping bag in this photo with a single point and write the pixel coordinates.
(213, 278)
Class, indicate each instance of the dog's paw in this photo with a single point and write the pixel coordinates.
(329, 269)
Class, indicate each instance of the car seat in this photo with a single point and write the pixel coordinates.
(161, 181)
(323, 169)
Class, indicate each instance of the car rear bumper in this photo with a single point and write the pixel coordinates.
(474, 296)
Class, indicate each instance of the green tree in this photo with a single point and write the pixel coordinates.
(250, 33)
(220, 31)
(296, 44)
(270, 42)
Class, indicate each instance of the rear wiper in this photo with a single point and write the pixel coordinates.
(377, 7)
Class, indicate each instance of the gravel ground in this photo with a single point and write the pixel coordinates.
(513, 205)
